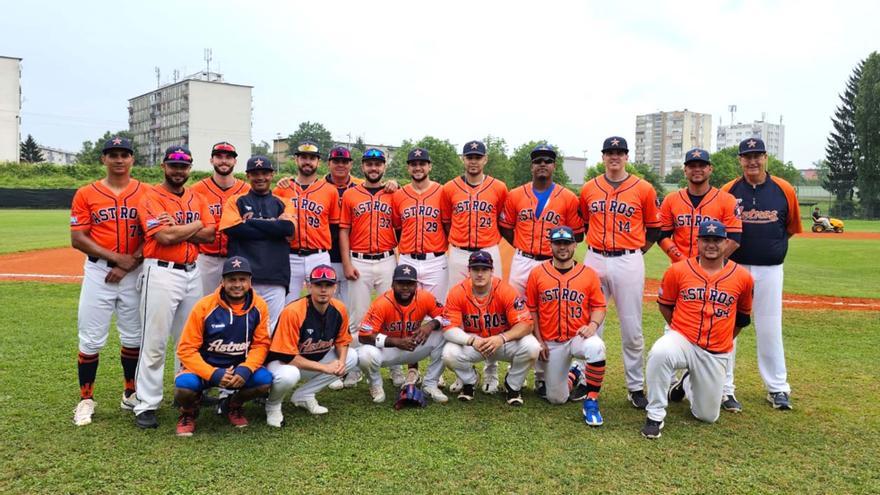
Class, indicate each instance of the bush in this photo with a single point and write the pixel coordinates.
(843, 208)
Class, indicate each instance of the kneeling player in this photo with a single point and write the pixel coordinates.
(394, 331)
(487, 320)
(224, 344)
(310, 342)
(567, 303)
(706, 301)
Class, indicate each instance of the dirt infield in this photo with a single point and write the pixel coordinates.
(64, 265)
(849, 236)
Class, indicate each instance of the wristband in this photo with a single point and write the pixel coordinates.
(503, 337)
(380, 340)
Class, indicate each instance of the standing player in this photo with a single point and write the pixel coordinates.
(311, 342)
(315, 207)
(705, 301)
(104, 226)
(175, 220)
(488, 320)
(339, 162)
(394, 331)
(258, 230)
(216, 190)
(770, 215)
(568, 307)
(622, 222)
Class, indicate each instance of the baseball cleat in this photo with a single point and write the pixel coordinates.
(353, 378)
(128, 402)
(729, 403)
(514, 397)
(412, 377)
(311, 405)
(637, 399)
(336, 385)
(82, 414)
(397, 376)
(652, 429)
(467, 393)
(779, 400)
(146, 420)
(274, 417)
(541, 389)
(676, 391)
(490, 384)
(234, 412)
(578, 393)
(592, 416)
(441, 383)
(456, 386)
(186, 424)
(435, 394)
(377, 393)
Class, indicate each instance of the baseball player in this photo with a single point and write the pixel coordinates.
(706, 301)
(394, 331)
(311, 342)
(568, 307)
(487, 319)
(104, 226)
(175, 220)
(366, 241)
(224, 344)
(622, 221)
(315, 208)
(770, 214)
(259, 225)
(215, 191)
(339, 162)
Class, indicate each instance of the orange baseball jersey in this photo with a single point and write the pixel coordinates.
(531, 228)
(370, 220)
(110, 220)
(706, 306)
(472, 211)
(678, 214)
(617, 218)
(216, 198)
(303, 330)
(184, 209)
(417, 215)
(563, 301)
(486, 316)
(314, 209)
(352, 181)
(387, 316)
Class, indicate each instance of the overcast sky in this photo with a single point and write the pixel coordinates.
(569, 72)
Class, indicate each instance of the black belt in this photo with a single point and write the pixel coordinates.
(307, 252)
(95, 259)
(536, 257)
(214, 255)
(613, 254)
(423, 256)
(187, 267)
(471, 249)
(367, 256)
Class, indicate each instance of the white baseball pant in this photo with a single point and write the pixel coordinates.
(703, 385)
(274, 295)
(374, 275)
(98, 300)
(300, 268)
(211, 268)
(458, 263)
(623, 279)
(558, 363)
(342, 285)
(433, 276)
(286, 376)
(521, 354)
(167, 298)
(767, 317)
(371, 359)
(520, 268)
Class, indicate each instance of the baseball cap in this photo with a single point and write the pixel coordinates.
(561, 234)
(259, 162)
(697, 155)
(405, 273)
(118, 143)
(543, 150)
(178, 154)
(614, 143)
(323, 273)
(417, 154)
(237, 264)
(712, 228)
(480, 258)
(474, 148)
(339, 153)
(752, 145)
(307, 147)
(374, 154)
(223, 147)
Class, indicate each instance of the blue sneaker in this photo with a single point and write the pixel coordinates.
(592, 416)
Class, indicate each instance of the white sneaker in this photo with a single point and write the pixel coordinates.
(128, 403)
(456, 386)
(274, 417)
(311, 405)
(435, 394)
(377, 393)
(397, 376)
(336, 385)
(412, 377)
(490, 384)
(82, 415)
(353, 378)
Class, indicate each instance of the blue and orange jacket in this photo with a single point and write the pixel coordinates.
(217, 336)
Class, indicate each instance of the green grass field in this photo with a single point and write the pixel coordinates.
(23, 230)
(827, 444)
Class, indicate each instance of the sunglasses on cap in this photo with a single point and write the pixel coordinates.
(374, 154)
(543, 161)
(561, 236)
(224, 147)
(307, 148)
(179, 155)
(323, 274)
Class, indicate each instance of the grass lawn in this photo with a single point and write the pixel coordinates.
(827, 444)
(849, 225)
(23, 230)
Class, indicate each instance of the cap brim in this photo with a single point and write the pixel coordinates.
(312, 153)
(569, 240)
(177, 162)
(697, 160)
(477, 265)
(123, 148)
(323, 280)
(406, 279)
(741, 153)
(214, 152)
(248, 272)
(605, 150)
(713, 235)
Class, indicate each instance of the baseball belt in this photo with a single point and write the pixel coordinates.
(187, 267)
(613, 254)
(424, 256)
(368, 256)
(306, 252)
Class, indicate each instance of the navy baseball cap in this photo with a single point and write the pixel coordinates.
(373, 154)
(615, 143)
(340, 153)
(752, 145)
(237, 264)
(418, 154)
(118, 143)
(543, 150)
(712, 228)
(697, 155)
(480, 258)
(323, 273)
(224, 147)
(474, 148)
(561, 234)
(405, 273)
(259, 162)
(178, 154)
(307, 147)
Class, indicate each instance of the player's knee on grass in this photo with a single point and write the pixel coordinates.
(558, 394)
(708, 416)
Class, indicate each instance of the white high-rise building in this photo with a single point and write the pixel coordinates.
(662, 138)
(773, 136)
(10, 108)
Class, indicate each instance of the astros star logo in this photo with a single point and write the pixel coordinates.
(406, 270)
(259, 162)
(696, 154)
(615, 142)
(474, 146)
(236, 263)
(417, 153)
(117, 141)
(711, 228)
(752, 143)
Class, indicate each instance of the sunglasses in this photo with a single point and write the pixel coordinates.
(561, 236)
(323, 273)
(543, 161)
(307, 148)
(178, 156)
(224, 147)
(374, 154)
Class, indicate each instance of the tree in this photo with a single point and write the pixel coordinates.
(642, 170)
(521, 165)
(676, 176)
(867, 125)
(91, 150)
(30, 152)
(499, 165)
(445, 163)
(260, 149)
(312, 131)
(841, 151)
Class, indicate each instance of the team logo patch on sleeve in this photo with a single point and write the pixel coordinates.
(519, 303)
(72, 220)
(152, 222)
(367, 327)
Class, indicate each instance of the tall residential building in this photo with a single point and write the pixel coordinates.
(772, 134)
(198, 111)
(662, 138)
(10, 108)
(58, 156)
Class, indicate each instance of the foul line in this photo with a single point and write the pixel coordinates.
(38, 275)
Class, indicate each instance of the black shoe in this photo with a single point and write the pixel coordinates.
(637, 399)
(652, 429)
(467, 392)
(676, 391)
(208, 401)
(541, 389)
(146, 419)
(514, 397)
(779, 400)
(579, 392)
(731, 404)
